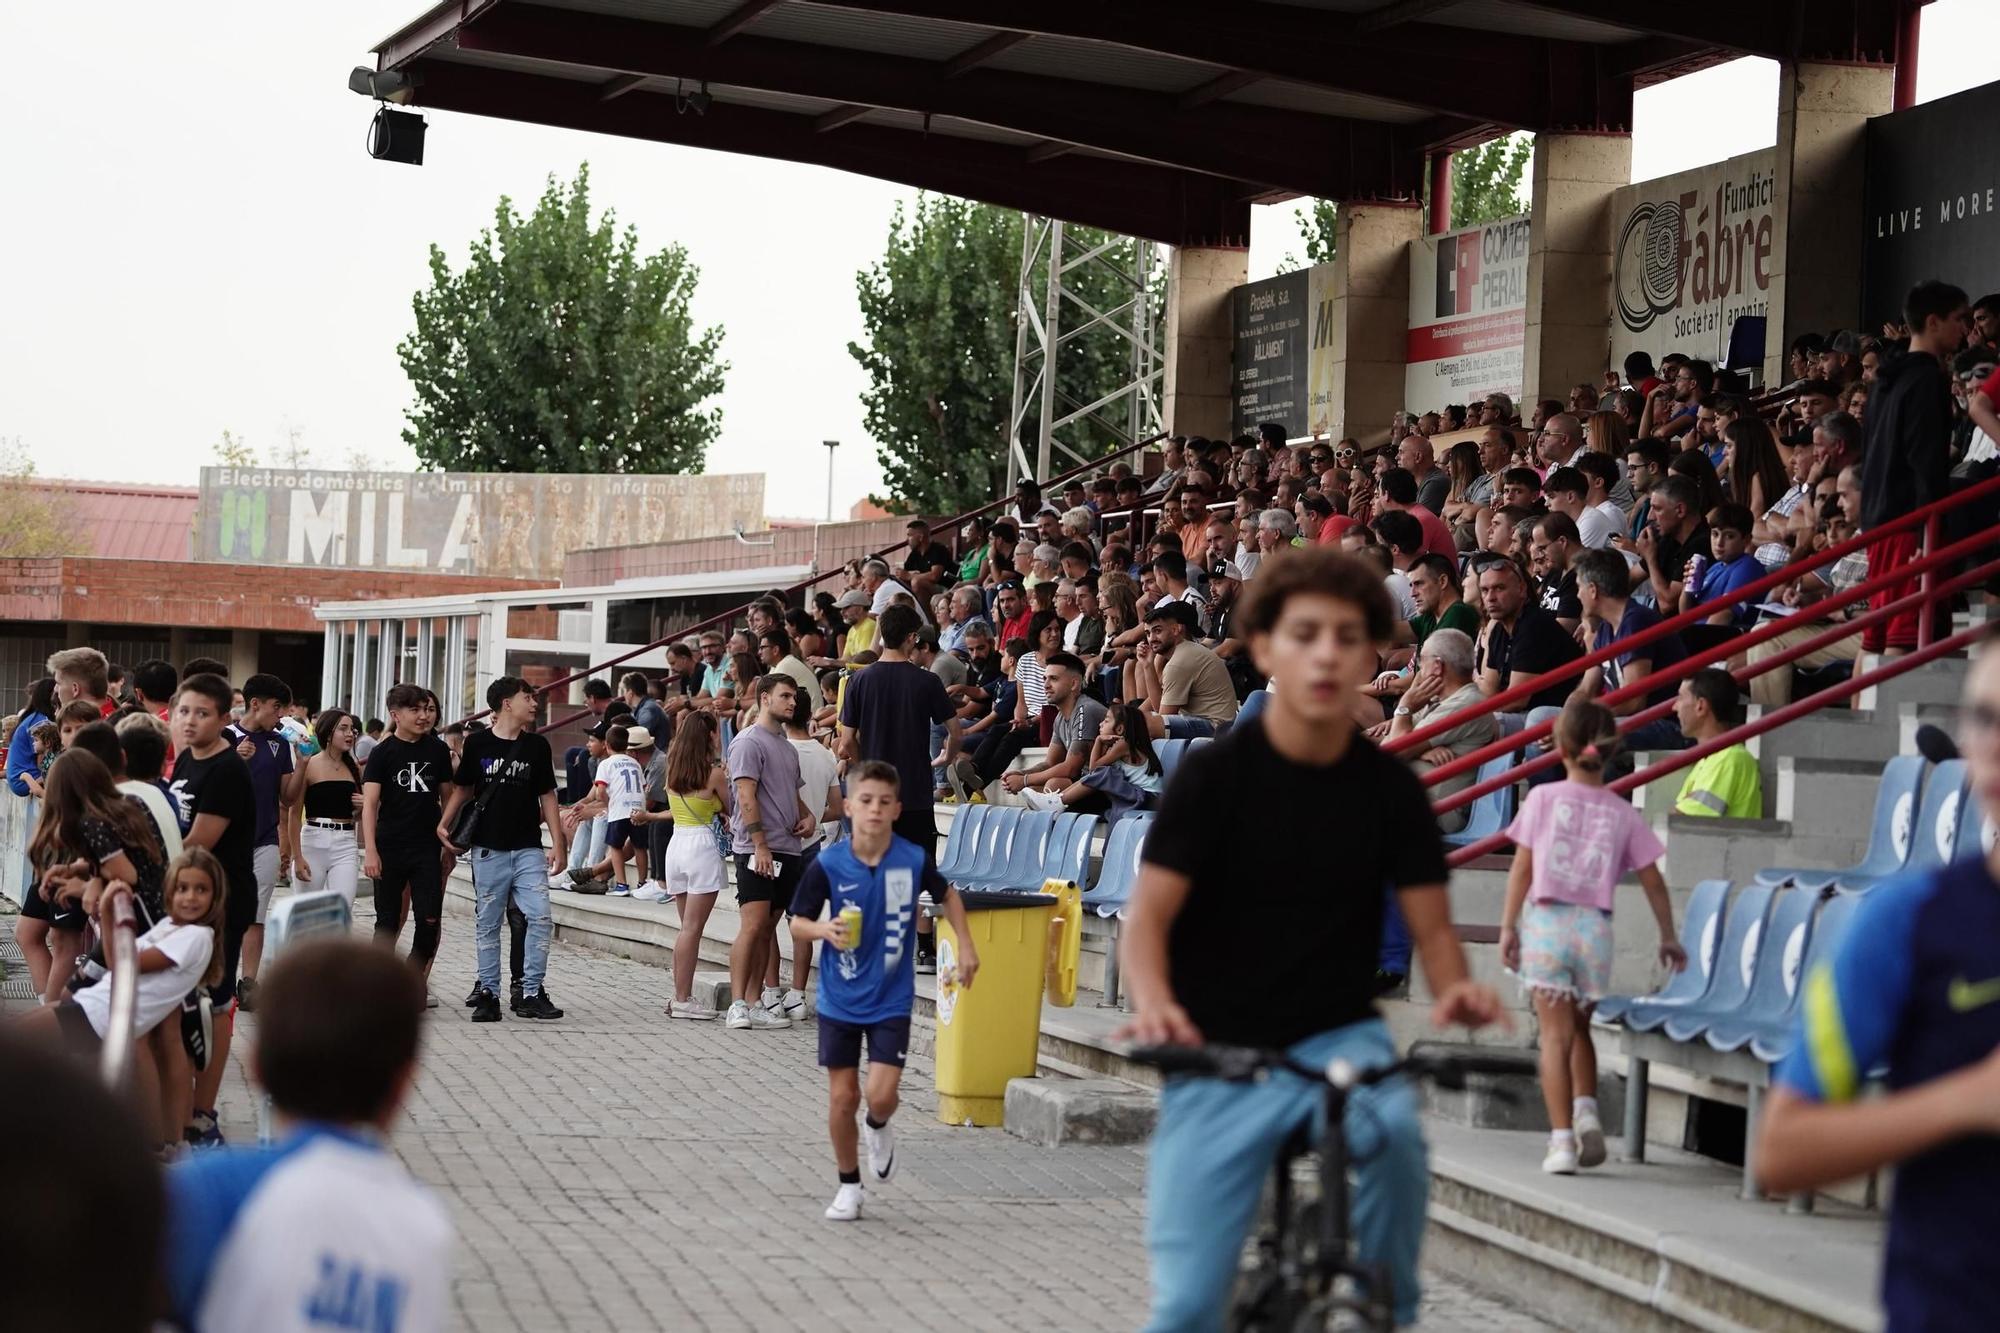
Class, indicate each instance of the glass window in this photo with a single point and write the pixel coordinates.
(550, 622)
(440, 629)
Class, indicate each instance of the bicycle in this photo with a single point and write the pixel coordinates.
(1301, 1273)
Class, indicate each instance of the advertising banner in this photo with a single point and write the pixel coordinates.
(498, 524)
(1691, 254)
(1468, 315)
(1282, 361)
(1933, 181)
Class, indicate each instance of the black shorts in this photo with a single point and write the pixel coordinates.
(617, 834)
(59, 917)
(779, 890)
(223, 993)
(840, 1043)
(77, 1032)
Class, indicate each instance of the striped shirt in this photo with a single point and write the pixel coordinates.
(1028, 676)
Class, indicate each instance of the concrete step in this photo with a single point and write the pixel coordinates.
(1058, 1111)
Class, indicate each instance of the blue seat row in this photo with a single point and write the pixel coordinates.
(1923, 819)
(1119, 871)
(1012, 847)
(1494, 811)
(1170, 753)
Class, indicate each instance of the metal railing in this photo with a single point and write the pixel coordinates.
(734, 613)
(121, 952)
(1924, 601)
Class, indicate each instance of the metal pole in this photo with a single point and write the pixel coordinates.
(1909, 27)
(1927, 617)
(831, 445)
(121, 952)
(1019, 402)
(1440, 221)
(1051, 341)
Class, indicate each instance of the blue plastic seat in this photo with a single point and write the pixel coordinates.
(1945, 800)
(1170, 753)
(1253, 703)
(1032, 838)
(1120, 870)
(1742, 932)
(1494, 811)
(1771, 1042)
(1701, 934)
(989, 854)
(1737, 976)
(964, 836)
(1890, 836)
(1976, 831)
(1069, 855)
(1775, 989)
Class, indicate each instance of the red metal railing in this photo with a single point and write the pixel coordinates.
(1924, 600)
(730, 616)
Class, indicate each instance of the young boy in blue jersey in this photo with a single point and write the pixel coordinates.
(1913, 994)
(867, 984)
(324, 1228)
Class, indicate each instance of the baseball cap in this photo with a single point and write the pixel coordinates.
(638, 738)
(1225, 569)
(1050, 510)
(1180, 611)
(1844, 342)
(853, 597)
(600, 729)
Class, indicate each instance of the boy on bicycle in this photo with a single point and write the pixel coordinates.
(1237, 939)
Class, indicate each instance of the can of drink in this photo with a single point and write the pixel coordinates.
(850, 920)
(1697, 566)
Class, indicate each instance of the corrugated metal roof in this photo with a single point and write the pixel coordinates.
(858, 30)
(1289, 96)
(130, 522)
(1102, 63)
(1527, 21)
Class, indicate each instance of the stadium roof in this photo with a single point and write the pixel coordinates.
(1157, 118)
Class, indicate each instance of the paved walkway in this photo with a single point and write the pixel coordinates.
(615, 1171)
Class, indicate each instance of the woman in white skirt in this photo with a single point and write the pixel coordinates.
(329, 857)
(697, 793)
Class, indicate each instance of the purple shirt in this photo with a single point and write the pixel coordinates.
(1582, 840)
(767, 757)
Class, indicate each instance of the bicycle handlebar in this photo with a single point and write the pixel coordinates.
(1239, 1063)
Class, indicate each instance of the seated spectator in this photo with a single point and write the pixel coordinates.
(1552, 545)
(1401, 538)
(1435, 587)
(1399, 493)
(325, 1222)
(1170, 575)
(1752, 469)
(1604, 583)
(1600, 515)
(1645, 467)
(968, 608)
(1496, 453)
(1077, 719)
(1461, 507)
(1518, 642)
(1521, 488)
(1277, 530)
(1443, 685)
(1733, 568)
(1184, 687)
(1079, 561)
(928, 566)
(1044, 567)
(1784, 528)
(1694, 465)
(1773, 688)
(1727, 784)
(1416, 457)
(1674, 536)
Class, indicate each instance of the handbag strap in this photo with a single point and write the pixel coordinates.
(479, 804)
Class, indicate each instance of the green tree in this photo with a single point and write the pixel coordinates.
(1485, 186)
(559, 348)
(38, 520)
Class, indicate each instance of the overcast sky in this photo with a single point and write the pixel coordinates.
(196, 241)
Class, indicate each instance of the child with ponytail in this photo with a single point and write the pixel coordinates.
(1573, 841)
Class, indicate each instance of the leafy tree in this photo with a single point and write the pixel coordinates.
(938, 312)
(233, 450)
(1485, 186)
(559, 348)
(38, 521)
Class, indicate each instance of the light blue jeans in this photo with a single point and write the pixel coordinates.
(587, 848)
(1214, 1147)
(522, 876)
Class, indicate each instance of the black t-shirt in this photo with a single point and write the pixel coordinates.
(1558, 596)
(931, 557)
(1672, 554)
(101, 842)
(1536, 644)
(220, 785)
(524, 770)
(412, 776)
(1274, 943)
(893, 705)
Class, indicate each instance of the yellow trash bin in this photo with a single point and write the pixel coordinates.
(987, 1032)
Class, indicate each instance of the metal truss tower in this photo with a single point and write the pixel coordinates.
(1052, 313)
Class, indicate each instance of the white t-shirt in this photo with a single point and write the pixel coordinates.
(160, 993)
(1398, 585)
(624, 784)
(817, 771)
(890, 588)
(1599, 523)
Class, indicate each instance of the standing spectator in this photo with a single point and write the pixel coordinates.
(329, 785)
(143, 739)
(402, 788)
(888, 713)
(770, 826)
(369, 737)
(507, 771)
(24, 775)
(712, 664)
(1727, 784)
(82, 673)
(819, 790)
(268, 752)
(697, 794)
(1907, 461)
(646, 710)
(218, 813)
(153, 683)
(1187, 692)
(1518, 642)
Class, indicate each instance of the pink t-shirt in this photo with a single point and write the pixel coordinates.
(1582, 841)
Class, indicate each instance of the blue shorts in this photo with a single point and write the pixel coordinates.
(617, 833)
(840, 1043)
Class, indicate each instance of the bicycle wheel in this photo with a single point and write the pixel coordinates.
(1269, 1296)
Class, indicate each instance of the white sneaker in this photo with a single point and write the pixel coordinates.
(760, 1017)
(739, 1014)
(1589, 1141)
(795, 1005)
(846, 1205)
(693, 1009)
(651, 891)
(773, 999)
(1041, 800)
(881, 1149)
(1561, 1160)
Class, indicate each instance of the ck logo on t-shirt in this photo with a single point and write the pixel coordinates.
(411, 777)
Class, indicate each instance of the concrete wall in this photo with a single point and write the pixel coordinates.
(1198, 343)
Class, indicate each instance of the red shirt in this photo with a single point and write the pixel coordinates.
(1330, 531)
(1437, 536)
(1017, 628)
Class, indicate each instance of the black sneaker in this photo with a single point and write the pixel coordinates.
(486, 1009)
(538, 1006)
(1388, 984)
(472, 996)
(246, 994)
(927, 960)
(514, 996)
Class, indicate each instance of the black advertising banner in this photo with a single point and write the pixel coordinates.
(1933, 182)
(1272, 352)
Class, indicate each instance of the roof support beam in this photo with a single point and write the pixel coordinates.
(1133, 198)
(1857, 30)
(840, 115)
(1221, 85)
(1320, 155)
(979, 53)
(619, 86)
(737, 19)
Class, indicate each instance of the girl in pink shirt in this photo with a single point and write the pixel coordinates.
(1573, 842)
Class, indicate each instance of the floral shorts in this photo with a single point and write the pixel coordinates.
(1566, 950)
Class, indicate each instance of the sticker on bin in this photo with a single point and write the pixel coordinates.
(947, 984)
